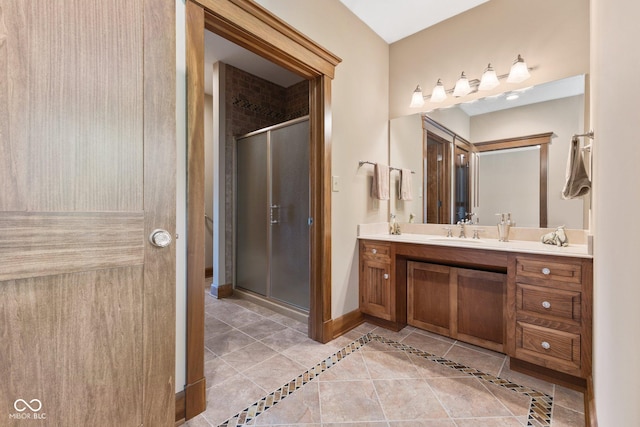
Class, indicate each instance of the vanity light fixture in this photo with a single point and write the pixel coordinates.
(489, 79)
(519, 71)
(417, 100)
(462, 87)
(438, 94)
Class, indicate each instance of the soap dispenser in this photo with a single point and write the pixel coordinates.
(503, 227)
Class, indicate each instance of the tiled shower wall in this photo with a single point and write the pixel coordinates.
(252, 103)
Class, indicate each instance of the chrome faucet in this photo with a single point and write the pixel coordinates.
(462, 230)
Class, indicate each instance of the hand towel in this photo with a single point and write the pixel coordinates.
(405, 192)
(380, 184)
(578, 183)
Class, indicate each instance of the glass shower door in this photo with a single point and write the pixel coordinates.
(272, 213)
(251, 213)
(289, 224)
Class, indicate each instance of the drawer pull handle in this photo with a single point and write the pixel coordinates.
(386, 276)
(546, 271)
(374, 251)
(545, 345)
(546, 304)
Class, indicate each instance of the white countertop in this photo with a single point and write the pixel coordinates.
(525, 246)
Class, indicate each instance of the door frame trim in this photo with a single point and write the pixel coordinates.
(253, 27)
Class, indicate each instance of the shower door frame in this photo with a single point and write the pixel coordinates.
(253, 27)
(270, 201)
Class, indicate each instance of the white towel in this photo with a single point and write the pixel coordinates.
(380, 184)
(578, 183)
(405, 192)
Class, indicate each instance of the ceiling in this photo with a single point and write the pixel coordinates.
(397, 19)
(392, 20)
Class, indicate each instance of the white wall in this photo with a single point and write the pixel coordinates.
(551, 35)
(360, 131)
(405, 151)
(615, 95)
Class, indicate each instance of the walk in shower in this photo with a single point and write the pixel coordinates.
(272, 213)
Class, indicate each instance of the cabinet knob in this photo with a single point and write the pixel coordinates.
(386, 276)
(546, 304)
(374, 251)
(545, 345)
(546, 271)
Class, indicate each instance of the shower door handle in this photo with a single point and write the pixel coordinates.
(274, 214)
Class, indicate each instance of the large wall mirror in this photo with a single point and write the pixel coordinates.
(493, 155)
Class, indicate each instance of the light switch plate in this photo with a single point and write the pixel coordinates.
(335, 183)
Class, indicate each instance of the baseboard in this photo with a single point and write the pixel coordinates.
(590, 405)
(221, 291)
(343, 324)
(392, 326)
(549, 375)
(208, 272)
(195, 399)
(180, 408)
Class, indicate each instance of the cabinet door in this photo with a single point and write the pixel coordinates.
(480, 316)
(375, 289)
(428, 297)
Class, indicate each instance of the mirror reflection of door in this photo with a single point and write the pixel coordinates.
(438, 180)
(462, 200)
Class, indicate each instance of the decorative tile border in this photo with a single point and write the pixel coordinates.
(539, 411)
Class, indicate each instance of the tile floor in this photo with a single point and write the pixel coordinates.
(262, 369)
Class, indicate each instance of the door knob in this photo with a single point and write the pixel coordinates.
(160, 238)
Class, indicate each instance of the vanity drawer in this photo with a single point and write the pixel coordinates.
(556, 349)
(375, 250)
(556, 270)
(559, 304)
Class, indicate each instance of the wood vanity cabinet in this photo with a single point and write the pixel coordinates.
(551, 307)
(460, 303)
(377, 293)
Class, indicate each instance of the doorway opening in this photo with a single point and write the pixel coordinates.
(249, 25)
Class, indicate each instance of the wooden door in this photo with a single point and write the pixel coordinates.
(87, 171)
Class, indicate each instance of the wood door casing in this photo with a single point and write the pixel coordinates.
(87, 170)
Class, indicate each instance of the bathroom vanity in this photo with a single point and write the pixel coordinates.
(530, 301)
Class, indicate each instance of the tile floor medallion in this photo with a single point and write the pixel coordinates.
(369, 377)
(540, 407)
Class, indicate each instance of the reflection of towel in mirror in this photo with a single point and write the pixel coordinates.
(578, 183)
(557, 237)
(405, 185)
(380, 184)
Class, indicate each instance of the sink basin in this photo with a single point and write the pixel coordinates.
(455, 240)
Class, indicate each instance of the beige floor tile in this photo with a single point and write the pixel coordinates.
(467, 398)
(568, 398)
(199, 421)
(427, 343)
(240, 317)
(434, 335)
(262, 328)
(249, 356)
(302, 407)
(358, 424)
(274, 372)
(525, 380)
(563, 417)
(214, 326)
(282, 340)
(308, 353)
(348, 369)
(226, 399)
(430, 369)
(517, 403)
(217, 371)
(423, 423)
(410, 399)
(289, 322)
(228, 342)
(396, 336)
(483, 362)
(349, 401)
(389, 365)
(490, 422)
